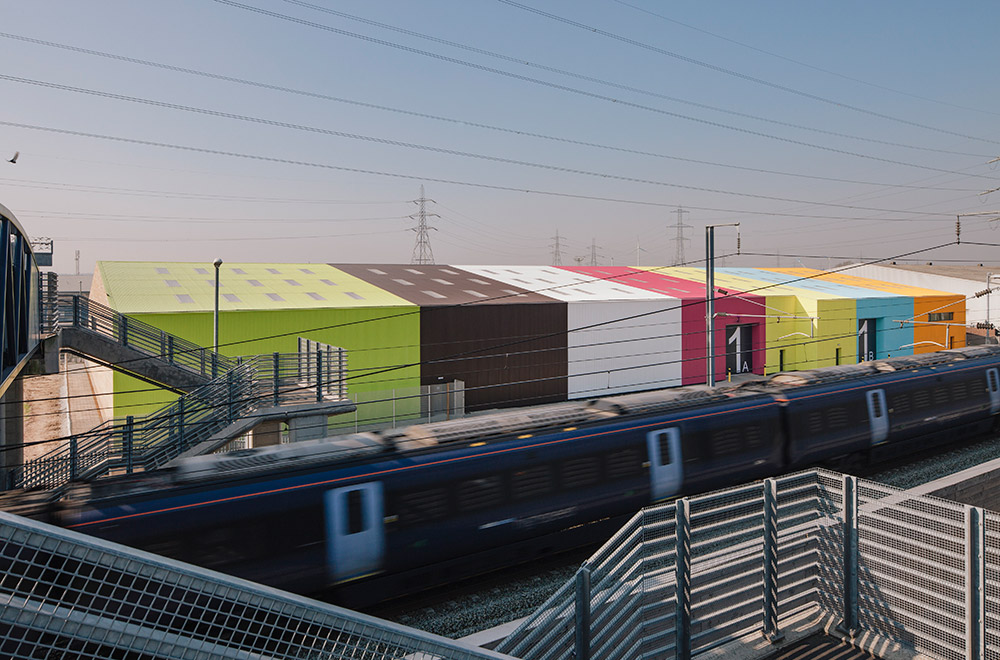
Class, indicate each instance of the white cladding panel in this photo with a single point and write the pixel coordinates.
(975, 308)
(627, 354)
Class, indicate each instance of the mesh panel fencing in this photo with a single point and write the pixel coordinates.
(63, 594)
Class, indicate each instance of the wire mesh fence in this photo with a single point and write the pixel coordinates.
(690, 575)
(64, 594)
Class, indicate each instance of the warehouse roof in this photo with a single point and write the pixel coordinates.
(431, 285)
(564, 284)
(977, 273)
(135, 287)
(864, 282)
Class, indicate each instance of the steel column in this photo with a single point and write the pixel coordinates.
(682, 615)
(127, 442)
(975, 585)
(850, 536)
(583, 613)
(770, 631)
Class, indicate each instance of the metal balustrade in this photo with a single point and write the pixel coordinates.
(241, 387)
(688, 576)
(64, 594)
(77, 311)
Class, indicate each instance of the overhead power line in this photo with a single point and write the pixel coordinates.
(508, 130)
(618, 200)
(617, 101)
(736, 74)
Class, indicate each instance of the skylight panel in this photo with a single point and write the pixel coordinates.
(211, 283)
(274, 271)
(173, 284)
(448, 272)
(184, 298)
(445, 282)
(328, 283)
(306, 271)
(292, 283)
(433, 294)
(275, 297)
(351, 294)
(376, 271)
(238, 271)
(402, 281)
(414, 271)
(314, 295)
(478, 281)
(163, 271)
(231, 297)
(254, 283)
(475, 293)
(201, 271)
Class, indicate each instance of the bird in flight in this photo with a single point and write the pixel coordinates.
(14, 159)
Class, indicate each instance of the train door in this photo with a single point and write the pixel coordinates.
(878, 415)
(665, 462)
(993, 385)
(355, 542)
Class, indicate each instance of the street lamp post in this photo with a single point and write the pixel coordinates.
(215, 337)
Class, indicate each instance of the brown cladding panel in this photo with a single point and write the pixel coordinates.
(508, 355)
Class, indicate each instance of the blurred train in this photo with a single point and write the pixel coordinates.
(375, 515)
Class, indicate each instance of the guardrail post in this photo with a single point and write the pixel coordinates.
(975, 585)
(215, 364)
(180, 423)
(202, 352)
(277, 366)
(163, 343)
(583, 613)
(229, 395)
(850, 535)
(682, 617)
(123, 330)
(76, 311)
(170, 349)
(129, 428)
(72, 458)
(319, 375)
(771, 632)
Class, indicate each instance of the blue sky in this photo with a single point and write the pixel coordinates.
(849, 129)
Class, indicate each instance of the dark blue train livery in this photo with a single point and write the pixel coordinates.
(374, 515)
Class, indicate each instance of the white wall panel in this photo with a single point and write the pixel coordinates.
(623, 355)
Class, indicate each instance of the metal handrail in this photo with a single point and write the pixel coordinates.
(239, 386)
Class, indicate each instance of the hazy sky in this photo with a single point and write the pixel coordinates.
(835, 129)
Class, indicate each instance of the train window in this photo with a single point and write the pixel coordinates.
(921, 399)
(580, 472)
(991, 378)
(664, 442)
(355, 512)
(531, 482)
(876, 406)
(900, 404)
(421, 506)
(726, 441)
(482, 493)
(623, 463)
(836, 418)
